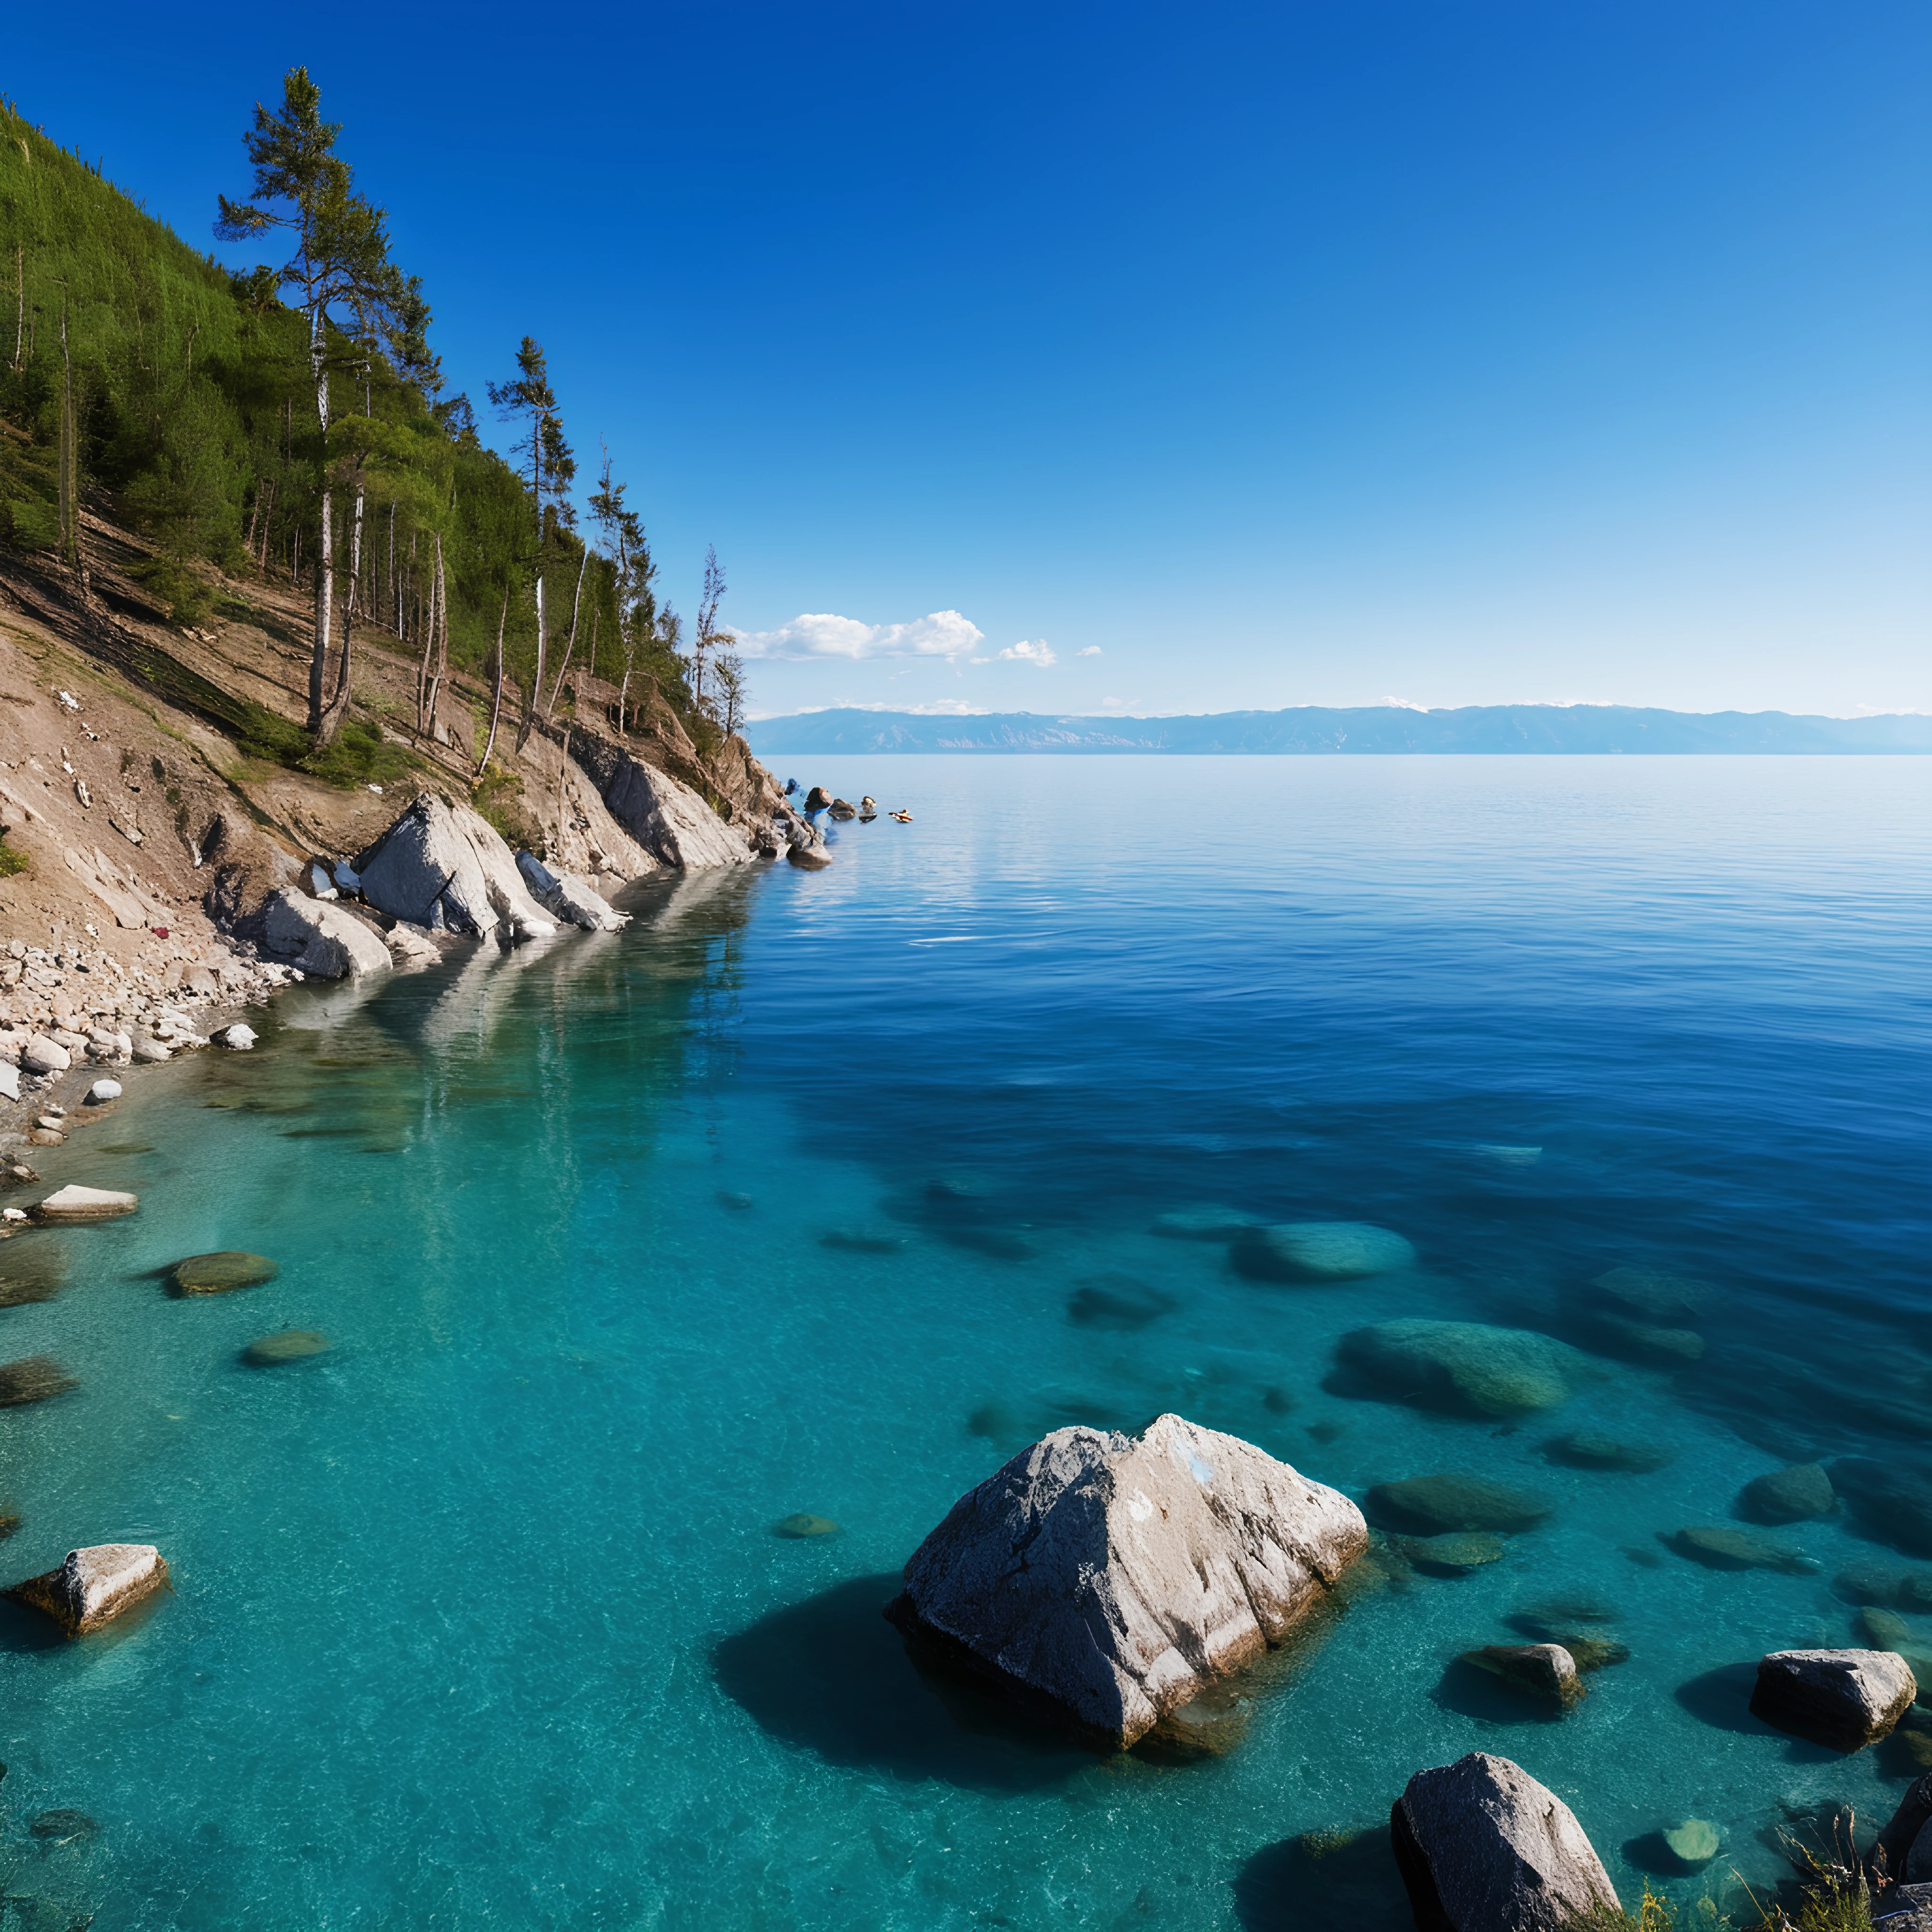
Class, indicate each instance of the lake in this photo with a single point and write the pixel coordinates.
(480, 1619)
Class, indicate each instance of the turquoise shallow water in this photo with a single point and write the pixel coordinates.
(479, 1619)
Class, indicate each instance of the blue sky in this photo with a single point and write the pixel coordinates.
(1169, 358)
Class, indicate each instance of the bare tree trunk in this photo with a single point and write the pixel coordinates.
(496, 690)
(395, 598)
(325, 574)
(536, 682)
(338, 705)
(69, 457)
(20, 304)
(268, 523)
(623, 691)
(435, 649)
(576, 606)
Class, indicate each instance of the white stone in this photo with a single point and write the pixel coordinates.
(100, 1582)
(1117, 1577)
(104, 1090)
(237, 1036)
(149, 1052)
(320, 883)
(13, 1214)
(509, 896)
(85, 1203)
(422, 869)
(411, 945)
(42, 1055)
(324, 941)
(10, 1080)
(1484, 1847)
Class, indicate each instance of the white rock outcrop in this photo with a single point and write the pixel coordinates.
(569, 897)
(446, 869)
(1845, 1699)
(95, 1585)
(237, 1036)
(85, 1203)
(320, 939)
(1484, 1847)
(42, 1055)
(1114, 1577)
(10, 1081)
(664, 816)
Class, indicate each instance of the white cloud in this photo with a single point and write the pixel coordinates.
(1088, 651)
(941, 634)
(1039, 653)
(1113, 701)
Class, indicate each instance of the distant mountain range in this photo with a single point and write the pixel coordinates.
(1598, 728)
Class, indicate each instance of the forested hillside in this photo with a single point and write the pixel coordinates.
(291, 422)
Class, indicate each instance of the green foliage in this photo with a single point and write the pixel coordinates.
(497, 797)
(13, 862)
(195, 412)
(360, 755)
(1655, 1914)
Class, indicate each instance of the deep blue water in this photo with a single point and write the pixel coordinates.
(480, 1620)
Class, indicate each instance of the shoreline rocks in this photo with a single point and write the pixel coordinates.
(1844, 1699)
(94, 1585)
(320, 939)
(1483, 1847)
(1110, 1578)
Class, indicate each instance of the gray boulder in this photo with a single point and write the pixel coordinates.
(510, 898)
(94, 1585)
(569, 897)
(321, 940)
(1483, 1847)
(666, 817)
(423, 870)
(42, 1055)
(1892, 1853)
(1546, 1672)
(1845, 1699)
(1112, 1578)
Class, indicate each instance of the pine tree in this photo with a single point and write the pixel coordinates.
(303, 190)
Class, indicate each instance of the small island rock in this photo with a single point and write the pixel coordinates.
(86, 1204)
(1846, 1699)
(1153, 1566)
(94, 1585)
(1484, 1847)
(1544, 1671)
(1319, 1251)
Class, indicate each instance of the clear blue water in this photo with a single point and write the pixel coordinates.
(480, 1620)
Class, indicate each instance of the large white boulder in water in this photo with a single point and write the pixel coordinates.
(446, 868)
(94, 1585)
(1843, 1698)
(1484, 1847)
(1114, 1577)
(1318, 1251)
(74, 1203)
(321, 940)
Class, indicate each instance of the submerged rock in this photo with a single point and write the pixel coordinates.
(1718, 1546)
(1465, 1367)
(292, 1345)
(1788, 1496)
(33, 1378)
(1202, 1224)
(86, 1204)
(1669, 1348)
(1895, 1589)
(1453, 1555)
(221, 1273)
(1484, 1847)
(1894, 1504)
(1584, 1449)
(1650, 1294)
(802, 1524)
(1846, 1699)
(1429, 1505)
(861, 1241)
(63, 1826)
(1546, 1672)
(1117, 1301)
(1318, 1251)
(94, 1585)
(1693, 1844)
(1151, 1567)
(1577, 1627)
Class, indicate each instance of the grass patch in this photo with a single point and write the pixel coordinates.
(13, 862)
(169, 581)
(360, 755)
